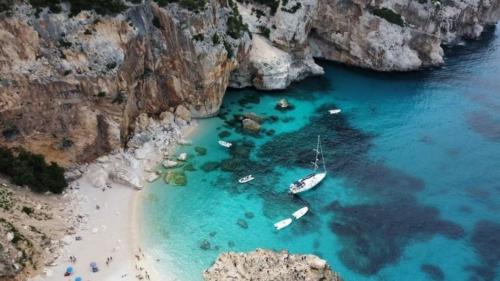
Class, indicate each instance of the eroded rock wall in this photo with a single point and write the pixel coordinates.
(71, 87)
(398, 35)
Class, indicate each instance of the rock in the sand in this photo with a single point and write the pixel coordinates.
(250, 125)
(261, 265)
(169, 164)
(126, 177)
(166, 118)
(249, 215)
(182, 157)
(98, 177)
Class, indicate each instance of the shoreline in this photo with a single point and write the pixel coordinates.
(108, 215)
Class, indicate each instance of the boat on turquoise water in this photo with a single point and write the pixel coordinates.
(283, 223)
(246, 179)
(335, 111)
(300, 213)
(310, 181)
(225, 144)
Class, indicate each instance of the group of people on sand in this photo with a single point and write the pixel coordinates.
(140, 275)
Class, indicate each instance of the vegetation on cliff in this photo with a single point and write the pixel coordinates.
(26, 168)
(389, 15)
(192, 5)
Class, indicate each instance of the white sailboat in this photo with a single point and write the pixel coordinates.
(300, 213)
(225, 144)
(311, 180)
(283, 223)
(335, 111)
(246, 179)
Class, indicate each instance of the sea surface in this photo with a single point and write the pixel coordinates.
(413, 185)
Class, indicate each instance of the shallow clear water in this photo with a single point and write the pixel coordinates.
(413, 186)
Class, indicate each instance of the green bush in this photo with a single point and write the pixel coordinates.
(6, 5)
(103, 7)
(389, 15)
(101, 94)
(156, 22)
(229, 49)
(198, 37)
(235, 26)
(192, 5)
(215, 39)
(265, 31)
(293, 9)
(26, 168)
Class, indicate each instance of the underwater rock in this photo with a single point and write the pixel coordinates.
(189, 167)
(212, 234)
(270, 132)
(263, 265)
(224, 134)
(231, 244)
(249, 215)
(231, 165)
(200, 150)
(250, 125)
(205, 245)
(253, 116)
(434, 272)
(242, 223)
(175, 178)
(210, 166)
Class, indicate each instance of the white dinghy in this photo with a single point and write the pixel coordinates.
(225, 144)
(300, 213)
(335, 111)
(282, 224)
(310, 181)
(246, 179)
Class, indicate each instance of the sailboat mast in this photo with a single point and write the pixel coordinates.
(322, 157)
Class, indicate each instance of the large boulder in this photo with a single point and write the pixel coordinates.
(250, 125)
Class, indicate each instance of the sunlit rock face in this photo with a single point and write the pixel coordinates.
(72, 86)
(398, 35)
(268, 265)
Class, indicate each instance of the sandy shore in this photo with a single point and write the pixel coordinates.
(107, 233)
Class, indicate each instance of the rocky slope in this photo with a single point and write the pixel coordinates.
(268, 265)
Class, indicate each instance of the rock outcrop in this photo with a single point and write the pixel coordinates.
(268, 265)
(396, 35)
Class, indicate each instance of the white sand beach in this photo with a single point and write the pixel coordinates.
(107, 230)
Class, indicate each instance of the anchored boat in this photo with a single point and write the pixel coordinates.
(300, 213)
(313, 179)
(225, 144)
(246, 179)
(282, 224)
(335, 111)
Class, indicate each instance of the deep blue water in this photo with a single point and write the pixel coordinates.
(413, 186)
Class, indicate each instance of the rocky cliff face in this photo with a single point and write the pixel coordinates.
(396, 35)
(269, 265)
(72, 86)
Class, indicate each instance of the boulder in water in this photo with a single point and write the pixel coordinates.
(242, 223)
(205, 245)
(210, 166)
(175, 178)
(169, 164)
(250, 125)
(200, 150)
(182, 157)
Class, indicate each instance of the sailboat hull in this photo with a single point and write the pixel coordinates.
(307, 183)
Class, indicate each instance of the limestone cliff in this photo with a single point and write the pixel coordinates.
(268, 265)
(396, 35)
(71, 86)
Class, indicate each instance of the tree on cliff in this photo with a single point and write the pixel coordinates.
(26, 168)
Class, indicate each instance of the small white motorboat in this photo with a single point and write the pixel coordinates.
(313, 179)
(300, 213)
(246, 179)
(335, 111)
(282, 224)
(225, 144)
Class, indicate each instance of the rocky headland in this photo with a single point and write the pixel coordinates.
(268, 265)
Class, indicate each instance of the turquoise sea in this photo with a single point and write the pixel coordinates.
(413, 185)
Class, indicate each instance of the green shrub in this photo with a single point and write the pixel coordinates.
(265, 31)
(156, 22)
(27, 210)
(198, 37)
(229, 49)
(215, 39)
(103, 7)
(6, 5)
(26, 168)
(192, 5)
(389, 15)
(101, 94)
